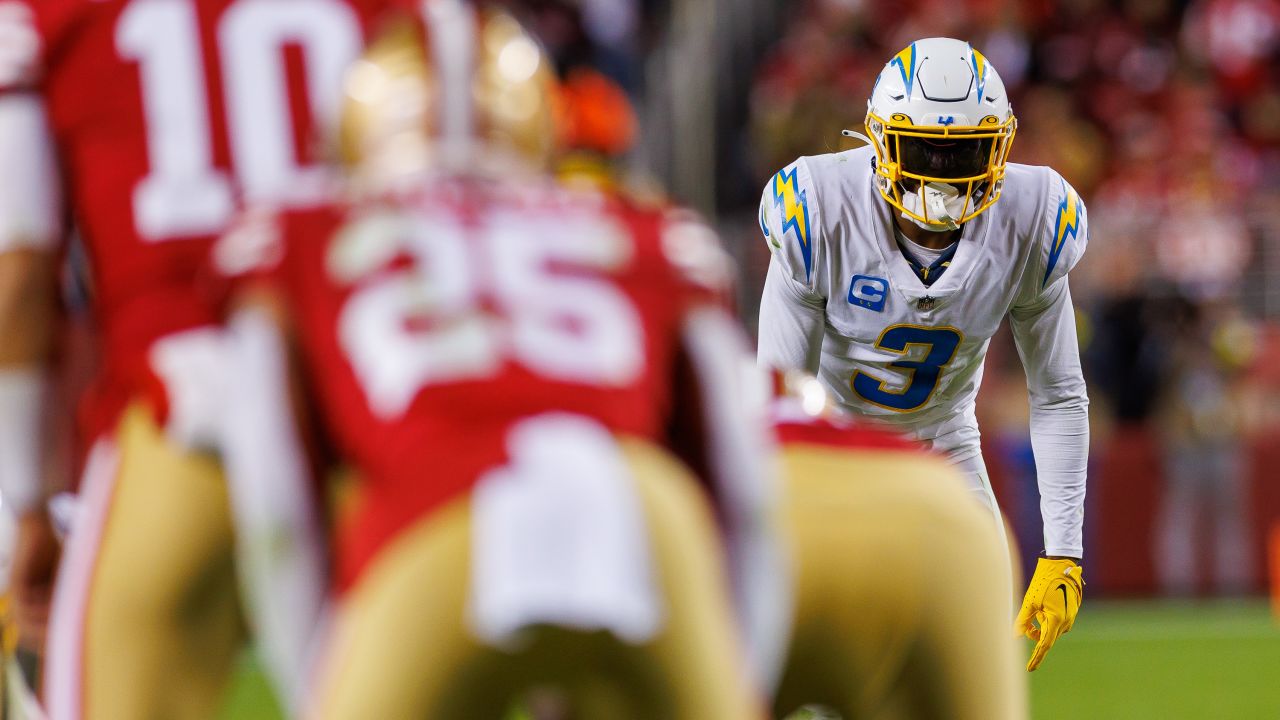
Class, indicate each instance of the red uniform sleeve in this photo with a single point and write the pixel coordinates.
(718, 405)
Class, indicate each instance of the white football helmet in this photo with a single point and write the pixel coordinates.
(941, 125)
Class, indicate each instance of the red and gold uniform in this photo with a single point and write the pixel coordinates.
(503, 365)
(902, 588)
(165, 116)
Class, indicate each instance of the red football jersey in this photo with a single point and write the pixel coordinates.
(167, 115)
(431, 323)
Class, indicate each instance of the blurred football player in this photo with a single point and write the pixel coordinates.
(509, 367)
(901, 582)
(893, 265)
(29, 227)
(162, 116)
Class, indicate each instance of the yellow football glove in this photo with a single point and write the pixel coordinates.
(1052, 601)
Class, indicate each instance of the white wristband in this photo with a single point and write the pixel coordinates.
(22, 394)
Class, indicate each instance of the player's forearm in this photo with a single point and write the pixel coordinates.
(28, 308)
(280, 547)
(22, 394)
(791, 325)
(27, 317)
(30, 227)
(739, 459)
(1046, 340)
(1060, 440)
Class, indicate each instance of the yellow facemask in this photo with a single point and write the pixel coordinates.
(971, 158)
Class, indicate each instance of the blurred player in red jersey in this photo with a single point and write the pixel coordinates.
(505, 363)
(157, 118)
(901, 581)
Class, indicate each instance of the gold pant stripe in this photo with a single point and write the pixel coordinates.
(64, 662)
(160, 621)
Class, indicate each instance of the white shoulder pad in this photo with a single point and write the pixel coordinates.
(19, 46)
(789, 220)
(1065, 230)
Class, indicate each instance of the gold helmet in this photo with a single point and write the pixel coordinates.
(459, 91)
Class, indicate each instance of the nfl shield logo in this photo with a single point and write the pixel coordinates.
(926, 303)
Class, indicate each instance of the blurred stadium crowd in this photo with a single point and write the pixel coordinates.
(1164, 114)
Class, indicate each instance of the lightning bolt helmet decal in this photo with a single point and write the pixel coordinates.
(979, 72)
(906, 62)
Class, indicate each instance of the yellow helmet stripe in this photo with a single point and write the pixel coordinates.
(906, 62)
(979, 71)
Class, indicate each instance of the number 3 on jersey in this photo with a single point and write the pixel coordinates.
(940, 345)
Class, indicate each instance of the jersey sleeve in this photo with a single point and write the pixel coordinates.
(719, 428)
(792, 309)
(280, 557)
(20, 47)
(30, 198)
(1044, 331)
(1064, 233)
(716, 429)
(789, 219)
(1045, 337)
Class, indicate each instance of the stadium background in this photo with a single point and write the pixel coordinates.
(1165, 115)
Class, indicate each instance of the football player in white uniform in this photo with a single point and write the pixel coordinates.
(894, 264)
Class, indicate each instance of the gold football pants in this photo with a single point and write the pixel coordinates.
(146, 621)
(902, 593)
(401, 646)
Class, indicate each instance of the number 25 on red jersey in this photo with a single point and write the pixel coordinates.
(476, 298)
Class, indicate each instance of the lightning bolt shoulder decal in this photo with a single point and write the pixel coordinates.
(1066, 225)
(793, 208)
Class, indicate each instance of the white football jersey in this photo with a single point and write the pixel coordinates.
(843, 302)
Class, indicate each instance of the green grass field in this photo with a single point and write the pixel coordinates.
(1123, 660)
(1163, 660)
